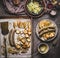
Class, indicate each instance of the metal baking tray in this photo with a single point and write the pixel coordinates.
(10, 21)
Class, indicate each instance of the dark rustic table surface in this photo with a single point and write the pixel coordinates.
(54, 51)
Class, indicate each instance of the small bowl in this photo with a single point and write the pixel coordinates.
(53, 12)
(43, 48)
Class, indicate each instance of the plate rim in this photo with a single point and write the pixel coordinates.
(55, 32)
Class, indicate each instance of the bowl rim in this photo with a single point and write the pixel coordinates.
(29, 14)
(47, 48)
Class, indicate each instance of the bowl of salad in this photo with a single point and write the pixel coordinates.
(34, 8)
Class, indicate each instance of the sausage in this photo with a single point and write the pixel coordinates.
(46, 28)
(10, 38)
(46, 31)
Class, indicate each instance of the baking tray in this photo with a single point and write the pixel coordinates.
(10, 20)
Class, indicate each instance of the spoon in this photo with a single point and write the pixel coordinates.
(5, 31)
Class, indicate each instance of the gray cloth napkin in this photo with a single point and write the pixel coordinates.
(11, 8)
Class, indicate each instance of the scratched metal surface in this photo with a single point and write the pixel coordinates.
(19, 55)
